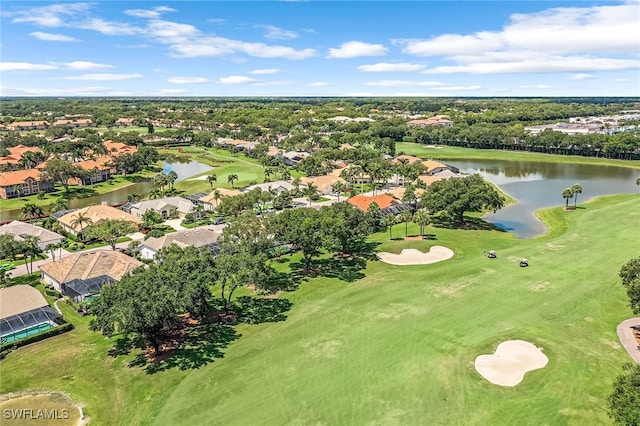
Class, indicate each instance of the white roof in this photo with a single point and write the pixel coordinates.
(21, 229)
(180, 204)
(270, 185)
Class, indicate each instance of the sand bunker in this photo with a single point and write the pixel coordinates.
(416, 257)
(512, 359)
(40, 409)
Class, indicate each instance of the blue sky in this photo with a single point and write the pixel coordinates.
(320, 48)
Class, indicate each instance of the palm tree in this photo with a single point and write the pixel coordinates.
(59, 204)
(18, 190)
(285, 173)
(80, 220)
(212, 178)
(216, 197)
(171, 178)
(311, 191)
(406, 217)
(30, 248)
(155, 194)
(401, 169)
(577, 189)
(133, 198)
(197, 210)
(232, 178)
(388, 221)
(422, 218)
(161, 180)
(338, 188)
(566, 194)
(31, 211)
(51, 248)
(268, 172)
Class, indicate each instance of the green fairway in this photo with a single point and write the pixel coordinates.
(454, 152)
(396, 346)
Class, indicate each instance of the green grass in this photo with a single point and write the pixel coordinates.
(454, 152)
(224, 164)
(394, 347)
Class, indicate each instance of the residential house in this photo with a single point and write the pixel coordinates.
(20, 230)
(387, 203)
(75, 123)
(199, 237)
(410, 158)
(277, 186)
(81, 275)
(324, 184)
(124, 122)
(28, 125)
(94, 214)
(210, 202)
(23, 182)
(438, 120)
(24, 312)
(167, 207)
(100, 170)
(116, 149)
(435, 167)
(16, 153)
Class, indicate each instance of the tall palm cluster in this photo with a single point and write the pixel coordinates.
(572, 192)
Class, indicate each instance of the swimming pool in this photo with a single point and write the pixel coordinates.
(19, 335)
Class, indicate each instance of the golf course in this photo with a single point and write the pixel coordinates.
(382, 344)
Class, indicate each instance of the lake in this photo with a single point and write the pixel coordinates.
(538, 185)
(184, 170)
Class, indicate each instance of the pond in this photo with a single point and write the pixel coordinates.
(184, 170)
(538, 185)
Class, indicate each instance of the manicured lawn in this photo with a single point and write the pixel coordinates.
(453, 152)
(225, 164)
(389, 344)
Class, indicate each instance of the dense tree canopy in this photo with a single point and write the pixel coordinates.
(455, 196)
(624, 402)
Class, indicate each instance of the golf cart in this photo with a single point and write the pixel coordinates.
(524, 263)
(492, 254)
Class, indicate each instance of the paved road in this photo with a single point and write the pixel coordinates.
(625, 334)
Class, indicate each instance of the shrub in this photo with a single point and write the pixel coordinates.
(8, 347)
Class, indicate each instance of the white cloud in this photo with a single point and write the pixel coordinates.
(580, 76)
(86, 66)
(52, 37)
(171, 32)
(404, 83)
(563, 39)
(237, 79)
(265, 71)
(108, 28)
(188, 80)
(25, 66)
(62, 91)
(542, 64)
(276, 33)
(220, 46)
(622, 80)
(149, 14)
(103, 77)
(458, 88)
(354, 49)
(319, 84)
(48, 16)
(391, 67)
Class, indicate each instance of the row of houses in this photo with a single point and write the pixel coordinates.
(18, 183)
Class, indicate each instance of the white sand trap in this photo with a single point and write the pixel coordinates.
(512, 359)
(203, 177)
(416, 257)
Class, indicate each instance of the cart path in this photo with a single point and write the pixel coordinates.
(625, 334)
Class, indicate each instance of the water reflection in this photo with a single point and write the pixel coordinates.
(540, 185)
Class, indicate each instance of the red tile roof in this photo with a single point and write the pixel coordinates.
(364, 201)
